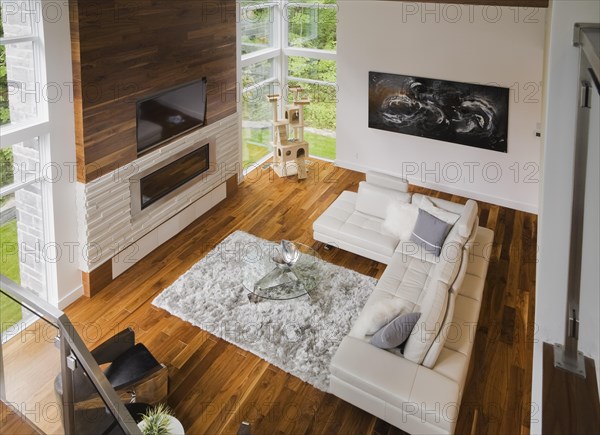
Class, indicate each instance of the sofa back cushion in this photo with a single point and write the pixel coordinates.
(451, 255)
(387, 181)
(374, 200)
(456, 282)
(426, 342)
(433, 309)
(466, 254)
(440, 340)
(451, 266)
(440, 213)
(453, 207)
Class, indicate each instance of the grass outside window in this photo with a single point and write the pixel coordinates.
(10, 311)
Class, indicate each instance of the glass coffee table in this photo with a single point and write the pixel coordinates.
(269, 276)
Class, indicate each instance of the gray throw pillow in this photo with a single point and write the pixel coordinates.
(396, 332)
(430, 232)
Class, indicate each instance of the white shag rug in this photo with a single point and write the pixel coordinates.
(300, 336)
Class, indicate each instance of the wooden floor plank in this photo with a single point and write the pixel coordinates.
(13, 422)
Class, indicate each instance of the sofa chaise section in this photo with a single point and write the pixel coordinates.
(344, 225)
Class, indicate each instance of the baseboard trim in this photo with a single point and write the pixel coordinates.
(478, 196)
(96, 279)
(70, 297)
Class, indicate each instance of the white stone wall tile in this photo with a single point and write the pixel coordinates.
(104, 205)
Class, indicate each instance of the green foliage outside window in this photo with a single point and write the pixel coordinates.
(4, 111)
(256, 33)
(6, 156)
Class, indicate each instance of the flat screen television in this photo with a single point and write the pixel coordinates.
(170, 113)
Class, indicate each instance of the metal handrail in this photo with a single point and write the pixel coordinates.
(71, 344)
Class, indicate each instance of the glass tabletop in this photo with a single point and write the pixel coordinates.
(268, 277)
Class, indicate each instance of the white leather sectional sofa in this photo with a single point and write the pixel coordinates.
(419, 390)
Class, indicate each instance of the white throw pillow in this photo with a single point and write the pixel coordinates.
(400, 219)
(376, 315)
(439, 213)
(373, 200)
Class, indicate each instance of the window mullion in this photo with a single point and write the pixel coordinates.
(258, 56)
(310, 81)
(10, 136)
(39, 62)
(247, 8)
(312, 5)
(12, 188)
(259, 85)
(310, 52)
(18, 39)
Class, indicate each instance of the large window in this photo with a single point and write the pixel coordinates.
(288, 43)
(23, 139)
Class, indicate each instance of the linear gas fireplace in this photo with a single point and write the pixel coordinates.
(161, 183)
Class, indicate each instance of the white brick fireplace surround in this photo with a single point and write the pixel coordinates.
(106, 226)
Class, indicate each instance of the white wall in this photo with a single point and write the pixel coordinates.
(475, 44)
(64, 275)
(562, 71)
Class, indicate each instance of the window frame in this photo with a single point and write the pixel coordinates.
(280, 53)
(36, 39)
(37, 127)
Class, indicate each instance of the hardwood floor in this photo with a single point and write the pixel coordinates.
(30, 364)
(214, 386)
(13, 423)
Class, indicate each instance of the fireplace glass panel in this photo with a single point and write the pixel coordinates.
(168, 178)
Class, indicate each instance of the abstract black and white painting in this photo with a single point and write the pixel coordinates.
(462, 113)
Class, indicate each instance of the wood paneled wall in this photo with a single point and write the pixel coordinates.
(124, 50)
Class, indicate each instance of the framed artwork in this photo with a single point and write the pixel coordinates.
(462, 113)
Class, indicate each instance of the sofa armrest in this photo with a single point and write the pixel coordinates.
(388, 181)
(419, 393)
(376, 371)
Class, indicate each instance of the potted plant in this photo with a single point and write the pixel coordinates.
(160, 421)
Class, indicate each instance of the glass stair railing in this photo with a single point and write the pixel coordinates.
(38, 357)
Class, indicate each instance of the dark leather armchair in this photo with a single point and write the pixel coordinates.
(131, 369)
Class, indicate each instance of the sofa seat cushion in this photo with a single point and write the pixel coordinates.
(405, 277)
(415, 389)
(341, 222)
(336, 214)
(398, 292)
(366, 231)
(412, 249)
